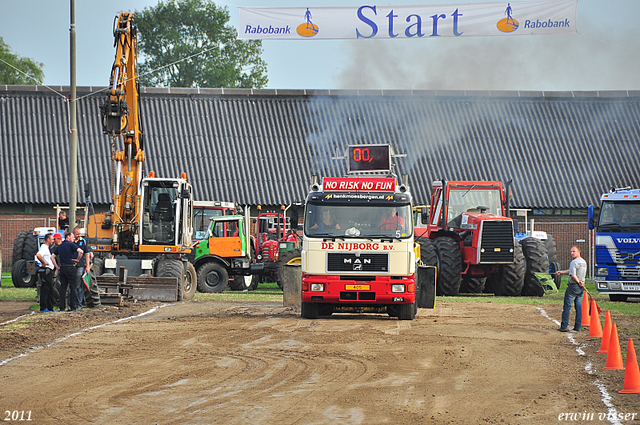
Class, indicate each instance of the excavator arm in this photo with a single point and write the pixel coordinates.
(120, 115)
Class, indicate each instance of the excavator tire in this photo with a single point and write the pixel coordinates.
(510, 282)
(289, 257)
(172, 268)
(91, 296)
(190, 283)
(536, 261)
(18, 246)
(449, 266)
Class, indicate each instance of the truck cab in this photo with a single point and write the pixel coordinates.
(617, 256)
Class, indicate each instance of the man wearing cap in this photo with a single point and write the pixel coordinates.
(69, 254)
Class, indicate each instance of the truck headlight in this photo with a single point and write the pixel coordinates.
(397, 288)
(603, 271)
(317, 287)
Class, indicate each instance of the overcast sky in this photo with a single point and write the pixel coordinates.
(602, 56)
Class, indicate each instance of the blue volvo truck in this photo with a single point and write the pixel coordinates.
(617, 256)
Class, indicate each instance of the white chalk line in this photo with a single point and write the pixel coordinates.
(16, 319)
(59, 340)
(606, 398)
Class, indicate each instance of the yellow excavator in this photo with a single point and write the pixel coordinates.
(140, 245)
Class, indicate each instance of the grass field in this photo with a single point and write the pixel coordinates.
(271, 292)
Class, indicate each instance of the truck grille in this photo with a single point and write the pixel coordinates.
(339, 262)
(496, 243)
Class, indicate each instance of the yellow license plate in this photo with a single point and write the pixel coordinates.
(357, 287)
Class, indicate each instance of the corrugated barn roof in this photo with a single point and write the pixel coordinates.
(262, 146)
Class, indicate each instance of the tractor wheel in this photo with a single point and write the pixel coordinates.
(553, 268)
(190, 283)
(309, 311)
(92, 296)
(289, 257)
(473, 285)
(428, 253)
(172, 268)
(536, 261)
(30, 247)
(449, 266)
(212, 277)
(21, 277)
(510, 282)
(18, 246)
(552, 252)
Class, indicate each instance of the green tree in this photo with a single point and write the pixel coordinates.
(32, 72)
(187, 43)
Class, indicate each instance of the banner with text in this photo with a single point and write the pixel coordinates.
(537, 17)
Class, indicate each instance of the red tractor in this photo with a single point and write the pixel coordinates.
(469, 236)
(276, 243)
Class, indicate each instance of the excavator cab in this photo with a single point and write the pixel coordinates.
(167, 209)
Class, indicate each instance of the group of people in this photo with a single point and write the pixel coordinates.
(72, 259)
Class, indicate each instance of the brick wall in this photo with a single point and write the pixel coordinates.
(10, 225)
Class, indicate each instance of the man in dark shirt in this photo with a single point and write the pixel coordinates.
(68, 255)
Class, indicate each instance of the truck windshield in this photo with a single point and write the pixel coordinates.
(619, 216)
(468, 200)
(358, 221)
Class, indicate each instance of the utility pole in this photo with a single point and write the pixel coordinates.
(73, 139)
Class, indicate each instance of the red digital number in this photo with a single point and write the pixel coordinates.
(362, 155)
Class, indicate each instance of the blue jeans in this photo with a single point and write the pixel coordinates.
(573, 295)
(80, 283)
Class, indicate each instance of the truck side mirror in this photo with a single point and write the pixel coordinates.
(590, 215)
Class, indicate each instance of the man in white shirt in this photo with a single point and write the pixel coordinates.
(46, 264)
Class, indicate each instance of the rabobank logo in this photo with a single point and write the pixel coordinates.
(308, 28)
(508, 24)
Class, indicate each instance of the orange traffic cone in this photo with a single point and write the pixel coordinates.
(595, 328)
(632, 372)
(606, 334)
(586, 319)
(614, 356)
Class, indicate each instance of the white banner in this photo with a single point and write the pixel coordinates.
(536, 17)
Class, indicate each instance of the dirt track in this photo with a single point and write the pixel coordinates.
(232, 363)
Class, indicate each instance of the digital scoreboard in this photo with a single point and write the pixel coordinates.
(369, 158)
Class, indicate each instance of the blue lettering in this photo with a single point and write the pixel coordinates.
(455, 23)
(547, 24)
(418, 26)
(267, 30)
(374, 27)
(391, 16)
(435, 24)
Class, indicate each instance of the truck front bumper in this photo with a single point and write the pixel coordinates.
(347, 290)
